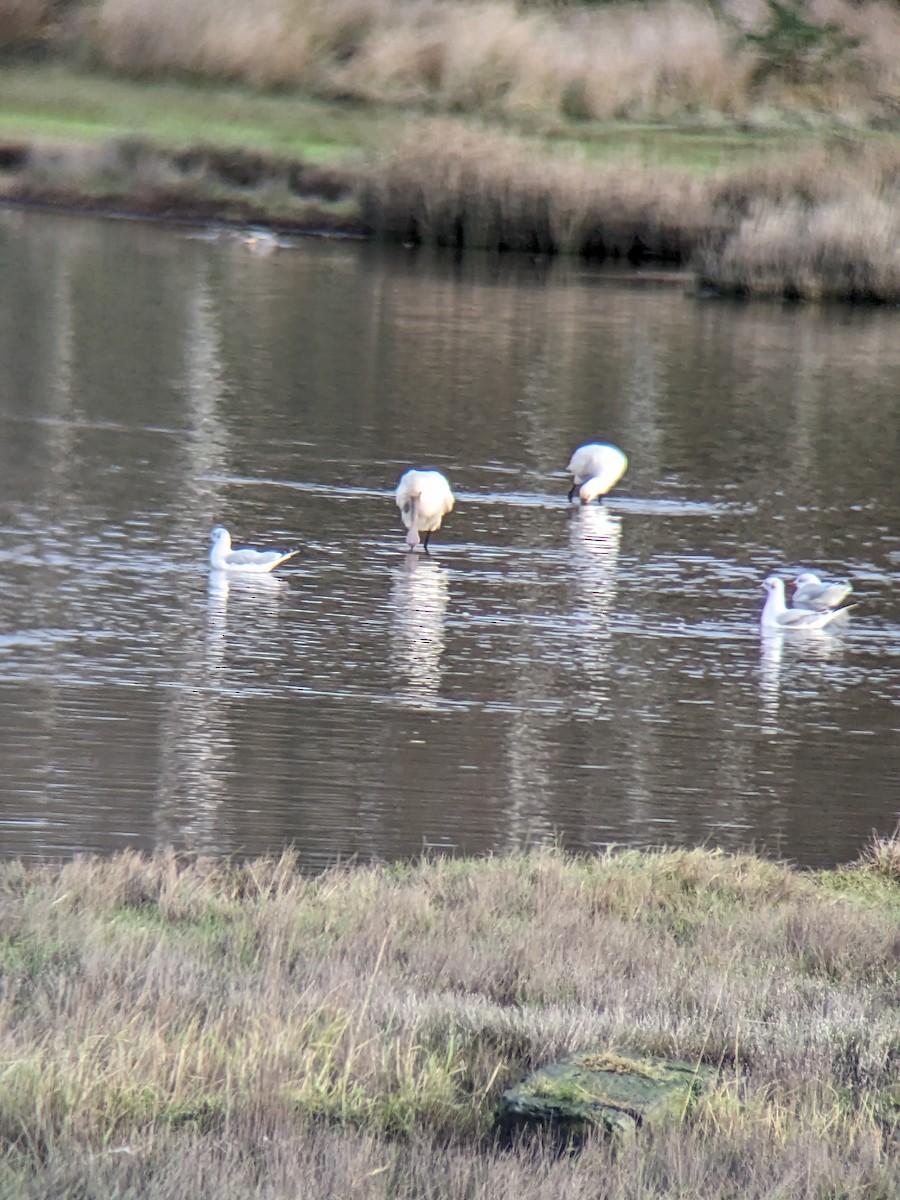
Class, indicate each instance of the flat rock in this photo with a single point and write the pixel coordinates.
(613, 1094)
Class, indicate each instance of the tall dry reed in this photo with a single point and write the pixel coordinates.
(659, 60)
(457, 187)
(825, 226)
(23, 21)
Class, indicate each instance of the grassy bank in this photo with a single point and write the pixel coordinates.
(173, 1028)
(753, 141)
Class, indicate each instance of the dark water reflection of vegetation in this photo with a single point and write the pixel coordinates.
(591, 675)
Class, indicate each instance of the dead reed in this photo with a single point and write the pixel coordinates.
(173, 1028)
(821, 227)
(451, 186)
(545, 62)
(23, 21)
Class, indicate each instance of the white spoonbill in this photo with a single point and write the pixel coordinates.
(819, 595)
(776, 614)
(424, 499)
(595, 469)
(223, 558)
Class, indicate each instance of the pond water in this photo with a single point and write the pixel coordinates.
(551, 672)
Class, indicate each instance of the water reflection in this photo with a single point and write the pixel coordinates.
(222, 584)
(207, 439)
(196, 753)
(817, 646)
(198, 760)
(591, 672)
(419, 594)
(771, 654)
(595, 534)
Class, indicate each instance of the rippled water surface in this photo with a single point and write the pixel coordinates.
(590, 675)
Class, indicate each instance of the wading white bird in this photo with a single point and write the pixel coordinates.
(223, 558)
(819, 595)
(424, 499)
(595, 469)
(776, 614)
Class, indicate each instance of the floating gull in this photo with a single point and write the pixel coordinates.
(776, 615)
(819, 595)
(595, 469)
(223, 558)
(424, 499)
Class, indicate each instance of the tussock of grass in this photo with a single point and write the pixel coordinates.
(164, 1021)
(847, 250)
(821, 227)
(457, 187)
(824, 225)
(882, 856)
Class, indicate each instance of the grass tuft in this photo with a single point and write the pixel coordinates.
(882, 856)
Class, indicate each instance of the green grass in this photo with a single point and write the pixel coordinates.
(54, 101)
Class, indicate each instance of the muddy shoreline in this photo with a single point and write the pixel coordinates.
(134, 178)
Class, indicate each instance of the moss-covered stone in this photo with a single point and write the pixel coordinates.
(612, 1093)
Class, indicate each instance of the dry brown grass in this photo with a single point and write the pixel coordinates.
(846, 249)
(882, 855)
(861, 84)
(824, 226)
(171, 1028)
(23, 21)
(821, 225)
(660, 60)
(198, 183)
(458, 187)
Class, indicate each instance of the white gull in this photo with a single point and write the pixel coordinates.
(776, 614)
(819, 595)
(223, 558)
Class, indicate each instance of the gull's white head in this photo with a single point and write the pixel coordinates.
(772, 584)
(808, 577)
(220, 548)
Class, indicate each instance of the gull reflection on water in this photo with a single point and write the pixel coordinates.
(222, 585)
(771, 653)
(197, 752)
(419, 596)
(594, 537)
(807, 645)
